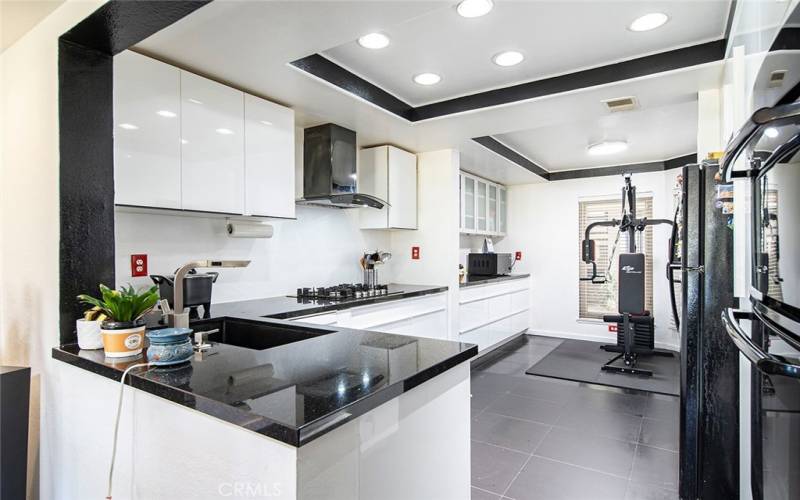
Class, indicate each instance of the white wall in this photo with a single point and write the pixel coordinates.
(437, 233)
(29, 215)
(543, 224)
(321, 247)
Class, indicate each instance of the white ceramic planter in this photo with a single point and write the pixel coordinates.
(122, 342)
(89, 336)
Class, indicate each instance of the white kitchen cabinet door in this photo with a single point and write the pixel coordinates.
(480, 203)
(491, 203)
(468, 203)
(390, 174)
(502, 209)
(402, 189)
(147, 149)
(269, 158)
(212, 146)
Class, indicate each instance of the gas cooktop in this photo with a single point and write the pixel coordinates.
(343, 292)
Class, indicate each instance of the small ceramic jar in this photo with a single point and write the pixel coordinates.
(169, 346)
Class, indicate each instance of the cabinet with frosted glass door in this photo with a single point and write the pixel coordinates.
(483, 206)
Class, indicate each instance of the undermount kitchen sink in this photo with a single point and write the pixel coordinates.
(254, 334)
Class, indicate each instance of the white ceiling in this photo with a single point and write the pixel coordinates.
(652, 134)
(249, 45)
(556, 37)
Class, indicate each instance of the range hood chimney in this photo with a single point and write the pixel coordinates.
(329, 169)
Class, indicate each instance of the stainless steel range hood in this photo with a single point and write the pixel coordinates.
(329, 169)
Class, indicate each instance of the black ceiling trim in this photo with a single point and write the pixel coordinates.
(787, 39)
(633, 168)
(634, 68)
(86, 143)
(509, 154)
(327, 70)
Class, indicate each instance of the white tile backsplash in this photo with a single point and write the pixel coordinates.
(321, 247)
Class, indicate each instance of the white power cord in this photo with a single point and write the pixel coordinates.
(116, 425)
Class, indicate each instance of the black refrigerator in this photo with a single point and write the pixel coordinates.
(703, 258)
(765, 156)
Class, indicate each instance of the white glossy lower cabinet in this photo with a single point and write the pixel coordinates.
(424, 316)
(489, 314)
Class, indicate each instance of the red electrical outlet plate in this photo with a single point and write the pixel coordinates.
(415, 253)
(612, 328)
(518, 256)
(139, 265)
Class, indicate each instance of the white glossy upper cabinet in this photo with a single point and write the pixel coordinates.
(147, 150)
(390, 174)
(212, 146)
(269, 158)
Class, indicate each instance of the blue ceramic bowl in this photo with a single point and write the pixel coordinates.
(169, 346)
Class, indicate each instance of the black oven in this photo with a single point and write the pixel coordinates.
(767, 153)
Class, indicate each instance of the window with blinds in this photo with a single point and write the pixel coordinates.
(595, 300)
(771, 238)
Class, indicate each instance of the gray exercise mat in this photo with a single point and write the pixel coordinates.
(580, 360)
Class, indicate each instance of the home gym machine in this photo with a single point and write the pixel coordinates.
(635, 324)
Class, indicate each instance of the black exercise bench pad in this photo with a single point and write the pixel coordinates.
(581, 360)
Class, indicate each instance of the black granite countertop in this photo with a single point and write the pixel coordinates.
(294, 392)
(291, 307)
(472, 280)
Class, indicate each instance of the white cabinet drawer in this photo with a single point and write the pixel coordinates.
(478, 292)
(472, 315)
(520, 322)
(499, 307)
(433, 325)
(368, 317)
(318, 319)
(520, 301)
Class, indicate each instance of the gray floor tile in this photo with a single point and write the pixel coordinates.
(609, 399)
(520, 435)
(493, 467)
(482, 381)
(478, 494)
(585, 449)
(655, 466)
(602, 423)
(480, 400)
(555, 391)
(663, 407)
(660, 433)
(503, 367)
(637, 491)
(536, 410)
(543, 479)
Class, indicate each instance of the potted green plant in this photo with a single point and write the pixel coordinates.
(123, 328)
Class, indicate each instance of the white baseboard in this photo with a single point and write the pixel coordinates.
(594, 338)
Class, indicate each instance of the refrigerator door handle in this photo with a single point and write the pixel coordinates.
(767, 363)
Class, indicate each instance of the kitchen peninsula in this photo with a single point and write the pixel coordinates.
(312, 415)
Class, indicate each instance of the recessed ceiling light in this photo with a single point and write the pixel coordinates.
(195, 101)
(374, 41)
(508, 58)
(474, 8)
(165, 113)
(607, 148)
(771, 132)
(649, 21)
(184, 141)
(427, 78)
(128, 126)
(225, 131)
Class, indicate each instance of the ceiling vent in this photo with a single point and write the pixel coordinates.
(776, 78)
(621, 104)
